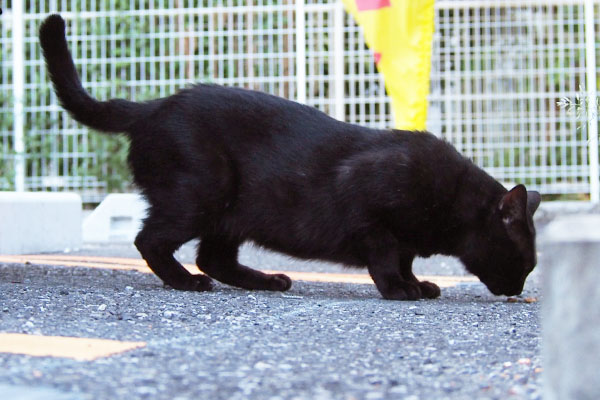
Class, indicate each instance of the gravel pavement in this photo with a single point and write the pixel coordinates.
(317, 341)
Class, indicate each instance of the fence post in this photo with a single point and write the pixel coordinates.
(300, 52)
(590, 65)
(339, 107)
(18, 93)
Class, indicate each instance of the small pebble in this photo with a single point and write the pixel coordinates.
(169, 313)
(261, 366)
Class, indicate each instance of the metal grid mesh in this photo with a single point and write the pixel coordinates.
(498, 70)
(6, 106)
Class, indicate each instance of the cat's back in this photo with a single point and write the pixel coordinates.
(232, 105)
(252, 122)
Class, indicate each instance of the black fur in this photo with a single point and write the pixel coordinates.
(230, 165)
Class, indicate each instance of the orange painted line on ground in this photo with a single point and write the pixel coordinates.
(81, 349)
(66, 257)
(130, 264)
(66, 263)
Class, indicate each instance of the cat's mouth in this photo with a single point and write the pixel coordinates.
(498, 291)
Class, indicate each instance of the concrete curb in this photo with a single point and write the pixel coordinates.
(571, 308)
(117, 219)
(34, 222)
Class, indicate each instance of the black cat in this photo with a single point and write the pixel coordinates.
(230, 165)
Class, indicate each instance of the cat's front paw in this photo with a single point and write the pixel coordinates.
(203, 283)
(402, 291)
(429, 290)
(279, 282)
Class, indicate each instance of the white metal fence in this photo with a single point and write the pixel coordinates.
(499, 67)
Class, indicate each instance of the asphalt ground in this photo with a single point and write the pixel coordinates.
(329, 337)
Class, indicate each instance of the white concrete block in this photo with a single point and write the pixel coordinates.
(117, 219)
(571, 308)
(33, 222)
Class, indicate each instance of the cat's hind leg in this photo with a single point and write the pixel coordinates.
(217, 257)
(157, 241)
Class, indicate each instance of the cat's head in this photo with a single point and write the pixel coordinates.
(501, 250)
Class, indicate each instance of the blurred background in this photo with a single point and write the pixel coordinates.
(498, 70)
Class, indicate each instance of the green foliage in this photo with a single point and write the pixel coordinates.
(6, 123)
(111, 161)
(584, 107)
(7, 172)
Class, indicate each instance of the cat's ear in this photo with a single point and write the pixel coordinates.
(533, 202)
(513, 205)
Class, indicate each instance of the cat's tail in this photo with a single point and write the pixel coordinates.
(109, 116)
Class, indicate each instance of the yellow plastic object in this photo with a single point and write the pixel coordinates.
(399, 32)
